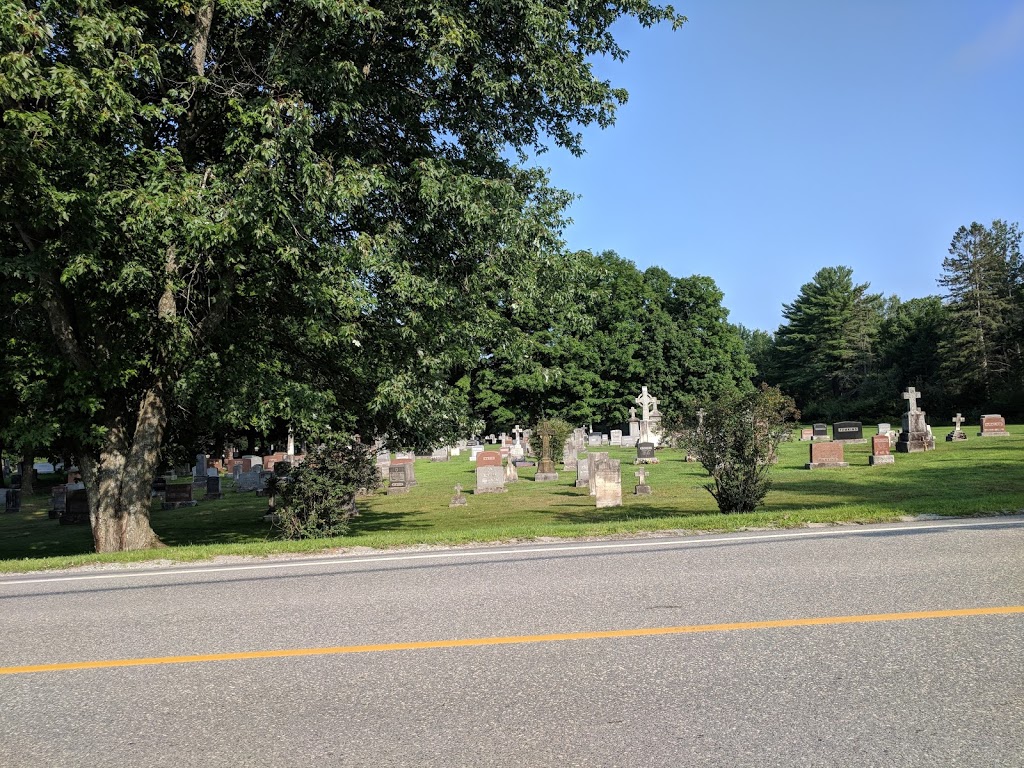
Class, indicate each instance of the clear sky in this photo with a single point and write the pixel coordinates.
(765, 140)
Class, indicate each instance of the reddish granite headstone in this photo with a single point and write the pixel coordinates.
(992, 424)
(824, 455)
(881, 452)
(488, 459)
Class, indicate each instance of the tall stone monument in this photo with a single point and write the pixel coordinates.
(546, 467)
(915, 437)
(650, 423)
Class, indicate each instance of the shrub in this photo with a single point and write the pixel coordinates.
(737, 444)
(318, 497)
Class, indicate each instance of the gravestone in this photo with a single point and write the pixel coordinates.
(76, 507)
(642, 488)
(916, 435)
(490, 475)
(439, 454)
(993, 425)
(884, 428)
(608, 485)
(200, 466)
(594, 440)
(511, 471)
(12, 499)
(236, 471)
(213, 490)
(474, 451)
(881, 452)
(848, 431)
(178, 496)
(645, 453)
(957, 433)
(819, 431)
(409, 463)
(583, 471)
(634, 427)
(398, 478)
(826, 456)
(806, 434)
(459, 499)
(593, 459)
(384, 464)
(616, 437)
(546, 468)
(58, 500)
(605, 440)
(570, 454)
(212, 472)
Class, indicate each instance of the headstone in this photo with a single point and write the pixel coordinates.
(398, 478)
(178, 496)
(608, 485)
(645, 453)
(236, 471)
(384, 464)
(957, 433)
(880, 451)
(884, 428)
(459, 499)
(455, 450)
(819, 431)
(593, 459)
(546, 467)
(916, 435)
(511, 471)
(594, 440)
(806, 434)
(616, 437)
(490, 475)
(250, 481)
(605, 440)
(213, 490)
(409, 463)
(439, 454)
(43, 467)
(200, 465)
(58, 500)
(76, 507)
(826, 455)
(12, 499)
(848, 431)
(570, 454)
(642, 488)
(993, 425)
(634, 427)
(582, 472)
(474, 451)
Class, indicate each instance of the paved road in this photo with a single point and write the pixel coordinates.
(903, 691)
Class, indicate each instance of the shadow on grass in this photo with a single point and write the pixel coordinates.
(376, 522)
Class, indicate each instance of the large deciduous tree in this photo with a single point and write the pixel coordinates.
(301, 199)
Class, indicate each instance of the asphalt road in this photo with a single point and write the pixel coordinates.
(942, 691)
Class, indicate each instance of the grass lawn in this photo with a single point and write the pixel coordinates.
(979, 476)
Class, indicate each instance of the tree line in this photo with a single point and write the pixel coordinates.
(846, 352)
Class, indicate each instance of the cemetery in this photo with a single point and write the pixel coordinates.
(414, 502)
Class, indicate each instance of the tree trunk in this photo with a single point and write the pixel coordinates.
(119, 480)
(27, 475)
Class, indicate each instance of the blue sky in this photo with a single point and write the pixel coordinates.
(765, 140)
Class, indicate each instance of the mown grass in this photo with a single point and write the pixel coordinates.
(979, 476)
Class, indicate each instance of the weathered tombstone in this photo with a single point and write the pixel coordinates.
(178, 496)
(605, 440)
(236, 471)
(458, 500)
(455, 450)
(593, 459)
(645, 453)
(993, 425)
(634, 427)
(884, 428)
(546, 467)
(570, 454)
(475, 451)
(58, 500)
(511, 471)
(490, 475)
(383, 464)
(880, 451)
(819, 431)
(642, 488)
(826, 456)
(957, 433)
(409, 463)
(398, 478)
(439, 454)
(583, 472)
(594, 440)
(616, 437)
(76, 507)
(200, 466)
(12, 499)
(608, 482)
(806, 435)
(848, 431)
(916, 435)
(213, 490)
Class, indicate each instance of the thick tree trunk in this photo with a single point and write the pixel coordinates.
(119, 479)
(27, 475)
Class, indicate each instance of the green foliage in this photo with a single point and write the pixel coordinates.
(318, 497)
(737, 443)
(559, 431)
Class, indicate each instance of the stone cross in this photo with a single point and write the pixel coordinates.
(632, 413)
(700, 418)
(958, 421)
(642, 474)
(645, 400)
(458, 489)
(654, 404)
(518, 432)
(911, 395)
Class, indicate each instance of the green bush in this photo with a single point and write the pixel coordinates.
(318, 496)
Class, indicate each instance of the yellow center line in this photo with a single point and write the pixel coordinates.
(517, 639)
